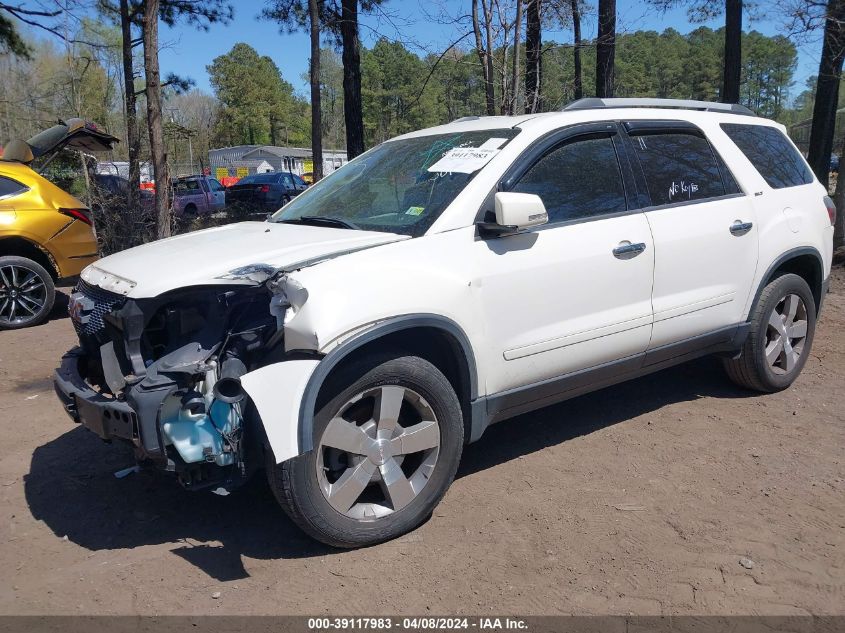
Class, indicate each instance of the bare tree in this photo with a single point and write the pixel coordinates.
(133, 138)
(827, 90)
(513, 98)
(578, 82)
(533, 56)
(158, 150)
(485, 50)
(316, 108)
(606, 48)
(39, 17)
(352, 105)
(733, 51)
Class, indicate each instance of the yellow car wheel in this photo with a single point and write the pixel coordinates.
(27, 293)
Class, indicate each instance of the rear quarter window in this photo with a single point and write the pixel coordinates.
(771, 153)
(9, 187)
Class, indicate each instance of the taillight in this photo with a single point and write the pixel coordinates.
(77, 214)
(264, 188)
(831, 209)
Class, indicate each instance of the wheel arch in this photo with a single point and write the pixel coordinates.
(806, 262)
(18, 246)
(435, 338)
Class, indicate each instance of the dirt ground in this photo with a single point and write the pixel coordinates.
(642, 498)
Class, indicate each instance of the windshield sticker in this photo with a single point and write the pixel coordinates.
(464, 160)
(493, 143)
(415, 211)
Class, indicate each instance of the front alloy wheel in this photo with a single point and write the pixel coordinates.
(378, 453)
(388, 438)
(26, 293)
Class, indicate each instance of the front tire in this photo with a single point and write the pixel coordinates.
(783, 324)
(387, 440)
(27, 293)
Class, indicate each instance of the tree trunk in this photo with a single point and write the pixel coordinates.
(316, 107)
(533, 58)
(154, 123)
(839, 201)
(352, 106)
(606, 48)
(488, 29)
(733, 51)
(827, 91)
(504, 77)
(577, 84)
(133, 136)
(513, 100)
(481, 50)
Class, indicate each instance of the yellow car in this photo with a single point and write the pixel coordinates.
(45, 233)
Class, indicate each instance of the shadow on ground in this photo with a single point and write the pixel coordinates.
(59, 310)
(72, 489)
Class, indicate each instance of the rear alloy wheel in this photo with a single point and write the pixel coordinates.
(27, 293)
(386, 449)
(786, 334)
(783, 323)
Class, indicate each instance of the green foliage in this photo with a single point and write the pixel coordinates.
(671, 65)
(392, 92)
(258, 105)
(10, 39)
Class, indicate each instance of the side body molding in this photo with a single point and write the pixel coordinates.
(285, 393)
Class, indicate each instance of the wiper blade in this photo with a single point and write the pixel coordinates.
(322, 220)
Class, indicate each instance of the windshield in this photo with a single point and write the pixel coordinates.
(399, 186)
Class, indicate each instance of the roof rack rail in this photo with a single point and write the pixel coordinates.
(591, 103)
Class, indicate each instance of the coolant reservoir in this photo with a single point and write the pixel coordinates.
(194, 435)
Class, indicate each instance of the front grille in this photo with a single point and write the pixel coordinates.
(90, 304)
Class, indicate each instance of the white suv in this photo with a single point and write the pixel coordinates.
(443, 281)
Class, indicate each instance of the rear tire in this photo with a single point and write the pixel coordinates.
(783, 323)
(371, 477)
(27, 293)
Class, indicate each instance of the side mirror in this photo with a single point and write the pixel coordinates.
(514, 213)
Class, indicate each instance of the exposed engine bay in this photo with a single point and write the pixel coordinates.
(163, 374)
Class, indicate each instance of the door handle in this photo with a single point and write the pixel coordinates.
(626, 250)
(740, 228)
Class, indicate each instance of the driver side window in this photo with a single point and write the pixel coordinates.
(576, 180)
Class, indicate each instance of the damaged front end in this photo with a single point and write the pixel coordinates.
(163, 374)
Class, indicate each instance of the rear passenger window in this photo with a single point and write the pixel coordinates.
(679, 167)
(187, 187)
(9, 187)
(771, 153)
(577, 180)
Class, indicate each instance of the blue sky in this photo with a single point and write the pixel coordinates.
(187, 51)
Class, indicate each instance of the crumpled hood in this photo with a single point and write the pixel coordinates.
(209, 256)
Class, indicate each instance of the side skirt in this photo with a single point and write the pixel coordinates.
(507, 404)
